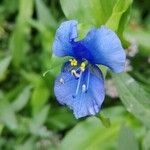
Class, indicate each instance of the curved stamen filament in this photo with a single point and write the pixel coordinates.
(74, 72)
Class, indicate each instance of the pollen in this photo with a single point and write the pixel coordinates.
(73, 62)
(82, 66)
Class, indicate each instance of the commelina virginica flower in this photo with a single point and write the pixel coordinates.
(80, 84)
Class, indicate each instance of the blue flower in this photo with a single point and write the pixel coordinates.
(80, 84)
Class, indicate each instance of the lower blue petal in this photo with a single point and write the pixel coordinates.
(84, 103)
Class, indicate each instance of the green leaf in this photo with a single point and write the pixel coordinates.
(90, 134)
(1, 128)
(7, 115)
(27, 145)
(40, 92)
(36, 125)
(18, 41)
(127, 140)
(39, 98)
(22, 99)
(41, 116)
(82, 29)
(142, 37)
(113, 13)
(33, 78)
(104, 120)
(103, 69)
(146, 143)
(118, 11)
(4, 63)
(60, 118)
(44, 14)
(133, 96)
(55, 65)
(95, 12)
(124, 21)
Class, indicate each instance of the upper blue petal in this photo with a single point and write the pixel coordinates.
(64, 35)
(84, 103)
(102, 46)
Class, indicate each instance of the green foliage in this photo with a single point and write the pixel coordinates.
(44, 15)
(114, 13)
(128, 143)
(7, 115)
(18, 42)
(22, 99)
(118, 18)
(134, 97)
(30, 117)
(94, 12)
(92, 135)
(4, 63)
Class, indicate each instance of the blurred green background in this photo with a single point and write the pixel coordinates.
(30, 116)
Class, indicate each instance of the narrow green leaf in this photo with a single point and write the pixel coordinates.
(22, 99)
(146, 143)
(1, 128)
(33, 78)
(39, 98)
(41, 116)
(127, 140)
(119, 9)
(18, 41)
(133, 96)
(7, 115)
(4, 63)
(124, 21)
(44, 14)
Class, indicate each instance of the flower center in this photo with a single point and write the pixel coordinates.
(77, 69)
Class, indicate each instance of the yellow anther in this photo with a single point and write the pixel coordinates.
(82, 66)
(73, 62)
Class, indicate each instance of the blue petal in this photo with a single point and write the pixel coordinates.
(102, 46)
(84, 103)
(64, 35)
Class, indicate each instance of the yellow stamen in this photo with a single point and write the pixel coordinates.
(73, 62)
(82, 66)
